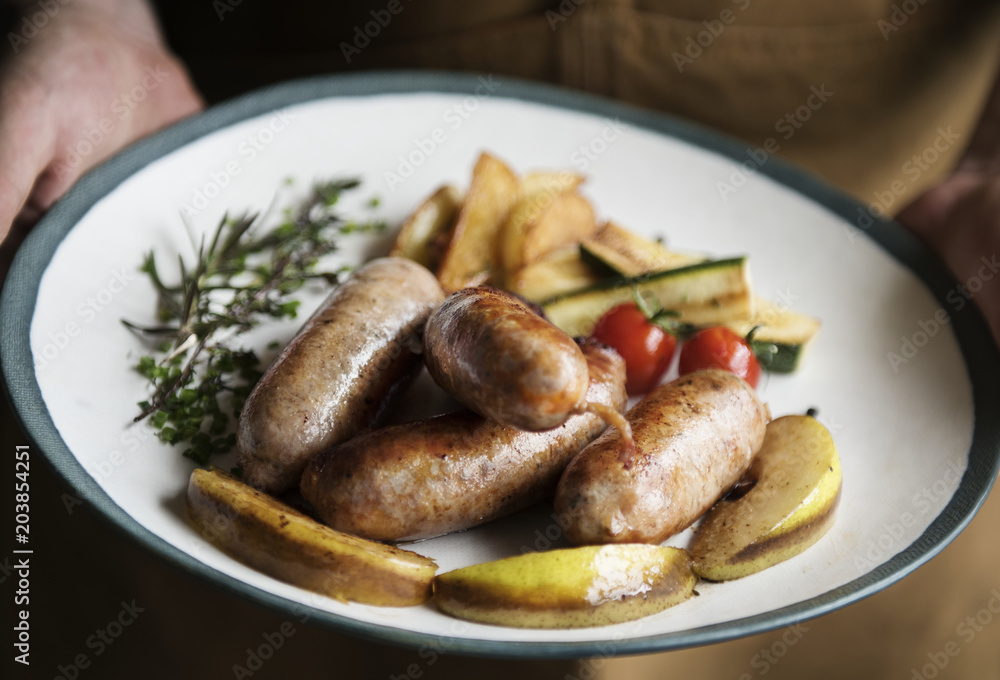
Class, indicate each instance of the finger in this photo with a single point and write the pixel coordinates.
(27, 144)
(928, 214)
(173, 100)
(57, 178)
(9, 245)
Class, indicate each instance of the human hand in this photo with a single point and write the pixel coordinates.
(960, 219)
(94, 78)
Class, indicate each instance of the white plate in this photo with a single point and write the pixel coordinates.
(916, 461)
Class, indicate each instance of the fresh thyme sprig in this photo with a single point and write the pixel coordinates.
(240, 277)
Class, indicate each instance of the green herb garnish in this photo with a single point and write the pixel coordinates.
(240, 278)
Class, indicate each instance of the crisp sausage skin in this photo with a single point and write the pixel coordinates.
(334, 378)
(694, 439)
(454, 471)
(496, 355)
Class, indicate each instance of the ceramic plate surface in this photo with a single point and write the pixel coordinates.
(917, 435)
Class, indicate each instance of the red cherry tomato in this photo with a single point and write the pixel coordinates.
(720, 347)
(646, 348)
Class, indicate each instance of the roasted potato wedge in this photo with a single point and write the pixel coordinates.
(536, 190)
(569, 588)
(566, 220)
(471, 258)
(424, 235)
(552, 183)
(274, 538)
(541, 223)
(561, 271)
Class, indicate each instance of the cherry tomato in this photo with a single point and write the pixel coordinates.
(720, 347)
(646, 348)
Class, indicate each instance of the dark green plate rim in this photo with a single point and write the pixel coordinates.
(17, 306)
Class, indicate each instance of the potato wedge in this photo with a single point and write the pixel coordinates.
(536, 190)
(541, 223)
(471, 258)
(274, 538)
(561, 271)
(548, 182)
(569, 588)
(424, 235)
(567, 220)
(797, 480)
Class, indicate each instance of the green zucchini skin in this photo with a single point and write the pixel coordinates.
(709, 293)
(778, 357)
(782, 335)
(705, 293)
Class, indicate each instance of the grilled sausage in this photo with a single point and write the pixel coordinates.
(694, 439)
(454, 471)
(361, 348)
(502, 360)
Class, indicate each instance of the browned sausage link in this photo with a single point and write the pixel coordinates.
(502, 360)
(454, 471)
(335, 377)
(694, 438)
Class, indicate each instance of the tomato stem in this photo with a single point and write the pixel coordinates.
(666, 319)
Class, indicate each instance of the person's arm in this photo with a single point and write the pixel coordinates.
(960, 217)
(76, 85)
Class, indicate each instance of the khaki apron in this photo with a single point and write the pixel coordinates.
(851, 90)
(878, 97)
